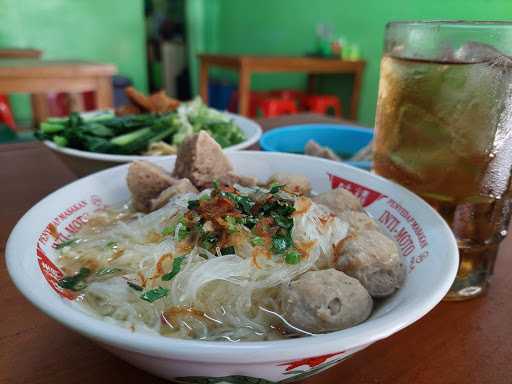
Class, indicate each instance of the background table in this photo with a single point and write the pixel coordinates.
(456, 343)
(39, 77)
(247, 65)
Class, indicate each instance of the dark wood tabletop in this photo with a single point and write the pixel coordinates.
(466, 342)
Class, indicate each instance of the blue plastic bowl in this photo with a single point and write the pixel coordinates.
(342, 139)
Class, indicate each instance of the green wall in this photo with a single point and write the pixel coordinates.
(110, 31)
(288, 27)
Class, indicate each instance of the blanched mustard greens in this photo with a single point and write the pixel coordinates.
(103, 132)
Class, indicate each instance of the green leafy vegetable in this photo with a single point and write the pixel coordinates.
(154, 294)
(282, 221)
(183, 231)
(107, 271)
(281, 243)
(66, 243)
(169, 230)
(257, 241)
(133, 141)
(61, 141)
(97, 129)
(135, 286)
(103, 132)
(181, 227)
(74, 120)
(274, 188)
(244, 203)
(228, 251)
(249, 221)
(292, 257)
(176, 267)
(75, 282)
(278, 207)
(51, 128)
(232, 224)
(193, 204)
(208, 240)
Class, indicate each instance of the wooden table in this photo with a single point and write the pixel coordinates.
(456, 343)
(247, 65)
(39, 77)
(20, 53)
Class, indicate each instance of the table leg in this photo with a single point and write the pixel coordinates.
(311, 83)
(40, 109)
(203, 81)
(104, 93)
(244, 90)
(356, 92)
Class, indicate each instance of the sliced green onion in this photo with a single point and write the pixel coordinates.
(137, 287)
(249, 221)
(183, 231)
(274, 188)
(244, 203)
(176, 267)
(282, 221)
(292, 257)
(66, 243)
(232, 224)
(107, 271)
(75, 282)
(256, 240)
(209, 239)
(154, 294)
(167, 231)
(228, 251)
(281, 243)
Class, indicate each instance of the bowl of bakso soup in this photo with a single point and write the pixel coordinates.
(237, 266)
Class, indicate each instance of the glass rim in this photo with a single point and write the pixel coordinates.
(452, 23)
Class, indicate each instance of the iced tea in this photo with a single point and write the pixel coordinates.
(444, 130)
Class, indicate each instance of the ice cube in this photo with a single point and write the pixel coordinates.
(474, 52)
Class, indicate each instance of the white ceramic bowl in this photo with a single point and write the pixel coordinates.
(427, 244)
(84, 163)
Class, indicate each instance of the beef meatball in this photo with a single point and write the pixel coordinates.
(338, 200)
(180, 187)
(312, 148)
(358, 221)
(201, 160)
(323, 301)
(146, 181)
(374, 260)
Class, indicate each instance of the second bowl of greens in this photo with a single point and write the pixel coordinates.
(92, 141)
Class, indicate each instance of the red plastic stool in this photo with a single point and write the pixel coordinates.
(255, 98)
(277, 107)
(291, 94)
(322, 104)
(5, 113)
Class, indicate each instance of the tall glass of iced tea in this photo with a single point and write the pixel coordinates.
(444, 130)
